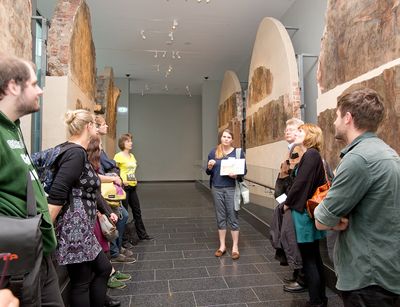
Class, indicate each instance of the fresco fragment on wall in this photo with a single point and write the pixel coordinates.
(387, 85)
(15, 28)
(267, 125)
(273, 97)
(359, 36)
(70, 45)
(230, 108)
(260, 85)
(107, 95)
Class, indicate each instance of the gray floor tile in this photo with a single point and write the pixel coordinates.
(149, 265)
(186, 247)
(144, 287)
(231, 270)
(181, 273)
(205, 253)
(256, 280)
(228, 296)
(149, 248)
(267, 293)
(195, 263)
(197, 284)
(138, 276)
(244, 259)
(160, 255)
(182, 299)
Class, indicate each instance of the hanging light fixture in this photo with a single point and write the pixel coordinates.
(156, 55)
(171, 35)
(174, 24)
(142, 34)
(177, 55)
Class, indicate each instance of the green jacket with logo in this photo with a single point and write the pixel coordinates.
(15, 163)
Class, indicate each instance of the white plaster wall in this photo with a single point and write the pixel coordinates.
(209, 117)
(60, 94)
(166, 136)
(123, 101)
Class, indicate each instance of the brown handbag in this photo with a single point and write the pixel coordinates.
(318, 196)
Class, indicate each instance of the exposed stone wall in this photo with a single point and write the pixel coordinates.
(70, 45)
(267, 125)
(359, 36)
(15, 28)
(260, 85)
(361, 47)
(388, 85)
(230, 117)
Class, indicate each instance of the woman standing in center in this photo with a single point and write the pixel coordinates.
(127, 163)
(309, 175)
(223, 191)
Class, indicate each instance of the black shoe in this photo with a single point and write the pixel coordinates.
(294, 287)
(110, 302)
(147, 237)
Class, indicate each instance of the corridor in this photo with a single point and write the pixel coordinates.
(179, 268)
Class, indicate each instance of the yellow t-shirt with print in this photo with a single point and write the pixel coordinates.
(127, 168)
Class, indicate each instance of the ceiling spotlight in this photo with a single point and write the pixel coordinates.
(208, 1)
(173, 54)
(142, 34)
(171, 35)
(166, 87)
(156, 55)
(174, 24)
(198, 1)
(177, 55)
(164, 54)
(169, 68)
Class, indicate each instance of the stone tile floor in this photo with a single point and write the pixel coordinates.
(178, 268)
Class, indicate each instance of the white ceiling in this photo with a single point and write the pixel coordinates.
(210, 37)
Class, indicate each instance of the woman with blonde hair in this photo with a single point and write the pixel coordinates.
(72, 206)
(309, 175)
(223, 191)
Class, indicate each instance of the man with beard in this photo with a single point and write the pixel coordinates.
(363, 204)
(19, 96)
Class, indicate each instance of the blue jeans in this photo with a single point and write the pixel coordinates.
(115, 245)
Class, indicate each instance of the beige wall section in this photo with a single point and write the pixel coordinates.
(60, 94)
(273, 49)
(274, 52)
(230, 85)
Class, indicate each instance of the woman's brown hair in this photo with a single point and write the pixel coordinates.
(313, 136)
(219, 153)
(93, 151)
(123, 138)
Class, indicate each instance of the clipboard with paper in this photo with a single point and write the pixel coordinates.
(232, 166)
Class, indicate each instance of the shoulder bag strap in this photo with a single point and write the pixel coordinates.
(238, 152)
(30, 197)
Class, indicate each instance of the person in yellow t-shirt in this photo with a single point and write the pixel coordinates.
(126, 161)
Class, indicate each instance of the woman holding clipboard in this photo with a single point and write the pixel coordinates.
(223, 191)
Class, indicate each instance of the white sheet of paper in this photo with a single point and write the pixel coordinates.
(232, 166)
(280, 199)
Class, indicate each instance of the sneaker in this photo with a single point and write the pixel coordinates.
(121, 276)
(114, 283)
(147, 237)
(126, 252)
(123, 259)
